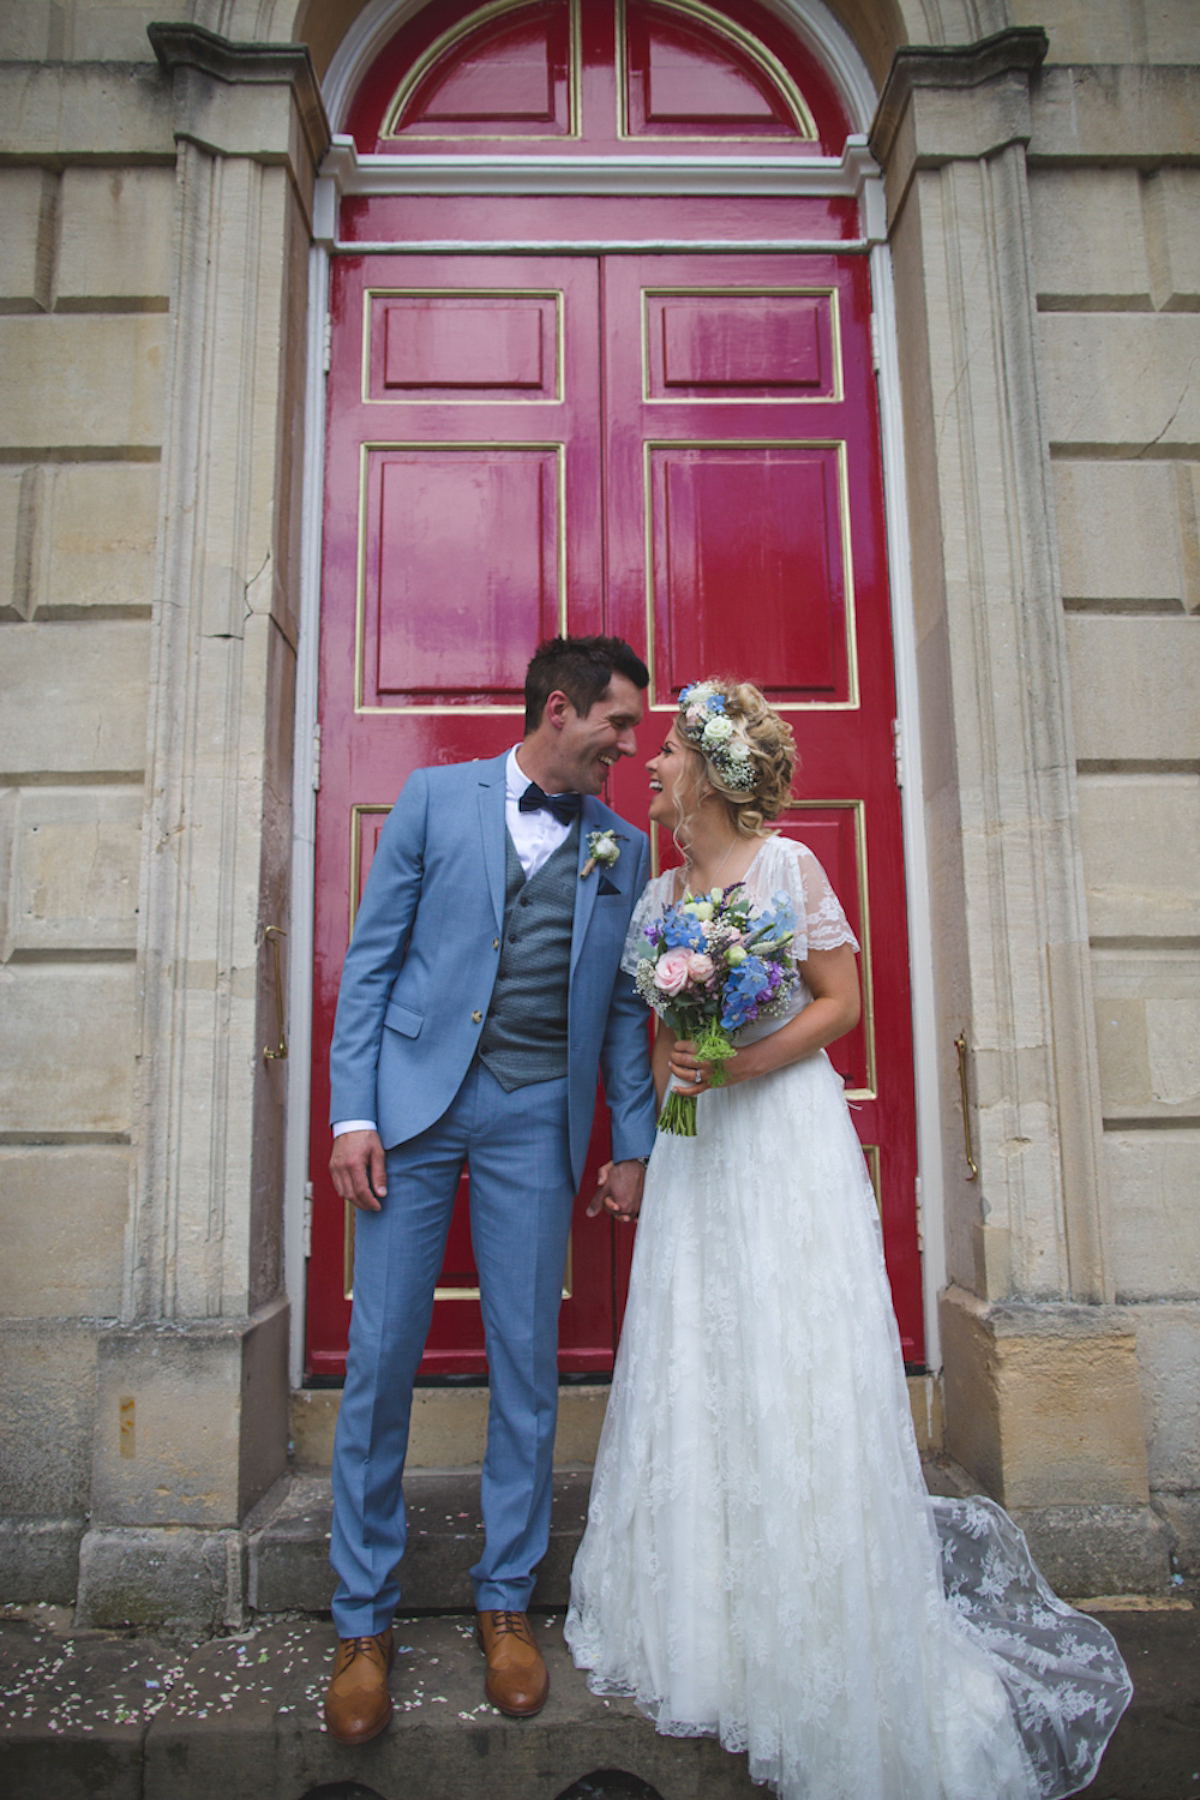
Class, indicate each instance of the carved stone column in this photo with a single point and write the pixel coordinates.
(1041, 1391)
(192, 1403)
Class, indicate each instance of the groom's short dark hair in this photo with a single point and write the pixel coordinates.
(580, 667)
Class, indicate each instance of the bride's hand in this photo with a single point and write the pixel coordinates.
(690, 1076)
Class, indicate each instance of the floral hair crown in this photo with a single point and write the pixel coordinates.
(704, 721)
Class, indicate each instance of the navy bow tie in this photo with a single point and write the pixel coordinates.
(565, 807)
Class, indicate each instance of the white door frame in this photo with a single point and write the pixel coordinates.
(855, 173)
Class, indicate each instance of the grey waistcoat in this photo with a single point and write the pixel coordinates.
(524, 1036)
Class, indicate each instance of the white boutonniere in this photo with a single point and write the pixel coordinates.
(603, 849)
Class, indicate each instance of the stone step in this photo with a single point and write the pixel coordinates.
(239, 1718)
(287, 1539)
(448, 1428)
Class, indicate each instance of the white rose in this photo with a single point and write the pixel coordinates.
(718, 731)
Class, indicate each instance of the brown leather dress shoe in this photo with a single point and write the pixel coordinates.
(517, 1681)
(357, 1702)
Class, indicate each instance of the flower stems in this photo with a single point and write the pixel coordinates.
(678, 1114)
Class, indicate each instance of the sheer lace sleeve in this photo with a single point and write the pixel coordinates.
(655, 897)
(791, 868)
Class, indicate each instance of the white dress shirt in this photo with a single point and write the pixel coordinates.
(535, 835)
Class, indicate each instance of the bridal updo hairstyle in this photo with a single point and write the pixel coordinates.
(760, 733)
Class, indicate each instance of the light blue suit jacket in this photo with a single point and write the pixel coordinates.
(419, 973)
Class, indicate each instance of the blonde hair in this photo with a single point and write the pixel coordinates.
(752, 768)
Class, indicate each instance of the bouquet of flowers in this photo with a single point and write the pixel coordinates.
(709, 965)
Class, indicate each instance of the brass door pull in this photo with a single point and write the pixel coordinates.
(960, 1044)
(274, 933)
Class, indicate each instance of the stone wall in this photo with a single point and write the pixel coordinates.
(154, 208)
(1044, 213)
(1115, 219)
(84, 292)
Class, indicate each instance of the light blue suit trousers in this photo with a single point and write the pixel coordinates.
(521, 1197)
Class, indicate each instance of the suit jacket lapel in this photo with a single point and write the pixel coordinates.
(585, 891)
(492, 828)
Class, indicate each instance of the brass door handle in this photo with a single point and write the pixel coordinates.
(274, 933)
(960, 1044)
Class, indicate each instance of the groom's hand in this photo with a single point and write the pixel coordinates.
(620, 1191)
(358, 1168)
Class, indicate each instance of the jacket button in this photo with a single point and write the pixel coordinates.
(476, 1018)
(495, 943)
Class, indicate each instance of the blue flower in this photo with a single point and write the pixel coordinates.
(681, 931)
(783, 914)
(745, 986)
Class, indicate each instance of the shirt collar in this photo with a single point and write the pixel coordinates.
(515, 779)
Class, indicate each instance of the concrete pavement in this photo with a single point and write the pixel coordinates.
(114, 1716)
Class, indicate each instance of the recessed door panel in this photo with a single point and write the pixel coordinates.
(748, 569)
(504, 70)
(463, 556)
(746, 346)
(430, 346)
(694, 75)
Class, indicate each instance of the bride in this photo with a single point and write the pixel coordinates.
(761, 1562)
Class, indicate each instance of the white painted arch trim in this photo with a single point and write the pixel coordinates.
(827, 40)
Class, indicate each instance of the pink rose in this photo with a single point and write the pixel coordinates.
(700, 967)
(671, 971)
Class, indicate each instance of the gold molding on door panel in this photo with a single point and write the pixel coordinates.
(439, 1293)
(858, 809)
(831, 293)
(358, 812)
(454, 34)
(871, 1152)
(468, 709)
(765, 60)
(851, 702)
(444, 293)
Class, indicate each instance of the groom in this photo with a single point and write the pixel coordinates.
(480, 993)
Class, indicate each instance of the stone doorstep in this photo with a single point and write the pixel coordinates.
(287, 1539)
(448, 1428)
(239, 1718)
(278, 1560)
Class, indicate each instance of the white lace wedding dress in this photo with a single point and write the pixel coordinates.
(761, 1561)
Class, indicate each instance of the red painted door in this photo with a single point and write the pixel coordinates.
(745, 536)
(462, 525)
(680, 449)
